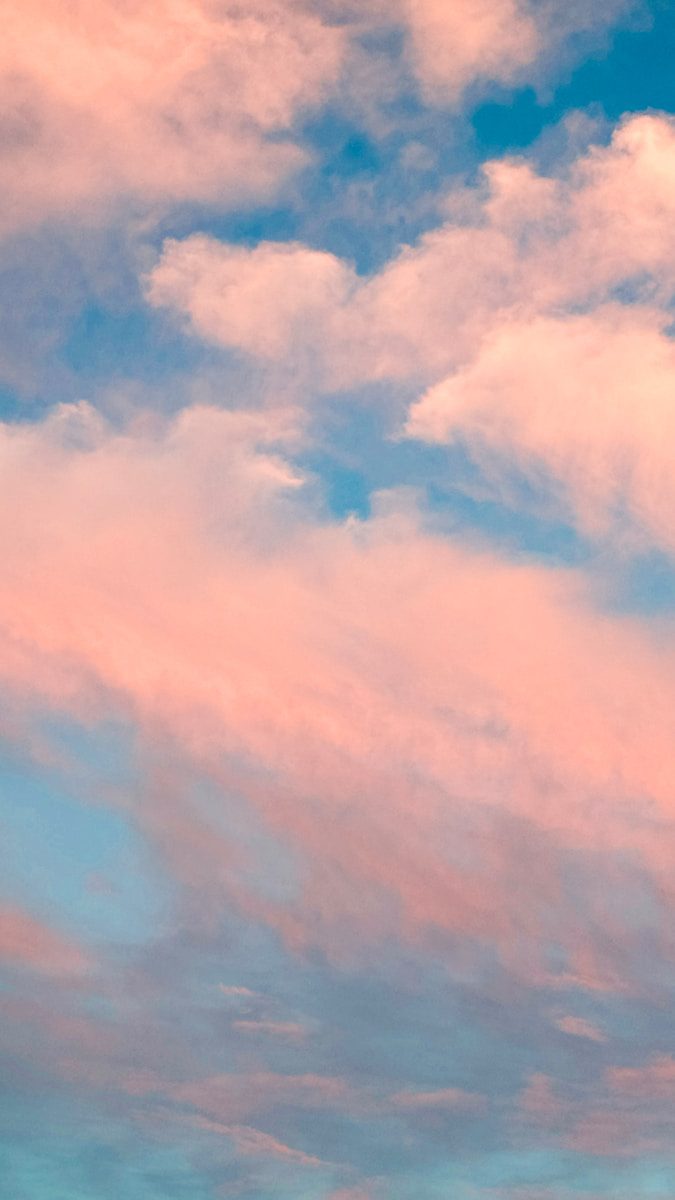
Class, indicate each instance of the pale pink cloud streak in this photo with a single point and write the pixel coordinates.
(27, 942)
(438, 1100)
(654, 1081)
(255, 1142)
(381, 715)
(579, 1027)
(291, 1030)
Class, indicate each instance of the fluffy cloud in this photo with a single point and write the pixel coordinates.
(514, 311)
(187, 100)
(454, 44)
(583, 402)
(261, 301)
(520, 244)
(468, 41)
(168, 103)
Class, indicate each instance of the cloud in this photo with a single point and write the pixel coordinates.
(260, 300)
(538, 316)
(439, 1099)
(170, 103)
(655, 1081)
(417, 755)
(256, 1143)
(580, 1028)
(233, 1098)
(517, 247)
(291, 1030)
(25, 942)
(194, 100)
(454, 46)
(584, 403)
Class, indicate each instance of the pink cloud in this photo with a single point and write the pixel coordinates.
(383, 718)
(255, 1142)
(584, 402)
(186, 100)
(655, 1081)
(28, 943)
(162, 103)
(233, 1098)
(468, 41)
(577, 405)
(518, 248)
(455, 44)
(292, 1030)
(628, 1114)
(234, 295)
(540, 1102)
(441, 1098)
(580, 1028)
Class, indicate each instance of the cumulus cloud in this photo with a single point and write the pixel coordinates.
(454, 44)
(187, 100)
(468, 41)
(514, 312)
(519, 245)
(165, 103)
(583, 402)
(261, 301)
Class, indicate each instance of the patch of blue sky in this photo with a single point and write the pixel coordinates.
(367, 188)
(356, 453)
(96, 1163)
(12, 407)
(643, 585)
(68, 856)
(634, 72)
(123, 343)
(516, 532)
(547, 1169)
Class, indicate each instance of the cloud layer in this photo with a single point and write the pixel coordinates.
(336, 602)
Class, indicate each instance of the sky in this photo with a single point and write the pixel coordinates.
(337, 600)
